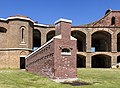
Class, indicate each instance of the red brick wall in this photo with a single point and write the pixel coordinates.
(65, 65)
(41, 62)
(106, 20)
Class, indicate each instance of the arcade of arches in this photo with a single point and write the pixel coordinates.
(100, 41)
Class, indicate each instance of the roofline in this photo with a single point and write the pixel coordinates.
(62, 20)
(41, 25)
(23, 18)
(102, 18)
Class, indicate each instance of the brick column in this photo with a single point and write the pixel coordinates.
(88, 60)
(88, 42)
(113, 59)
(114, 43)
(43, 38)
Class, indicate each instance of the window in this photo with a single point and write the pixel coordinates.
(113, 21)
(22, 29)
(22, 33)
(3, 30)
(65, 51)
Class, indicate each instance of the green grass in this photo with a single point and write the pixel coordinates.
(100, 78)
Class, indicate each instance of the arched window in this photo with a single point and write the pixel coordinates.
(65, 51)
(36, 39)
(50, 35)
(3, 30)
(22, 33)
(22, 29)
(113, 21)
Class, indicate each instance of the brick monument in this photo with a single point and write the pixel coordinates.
(56, 59)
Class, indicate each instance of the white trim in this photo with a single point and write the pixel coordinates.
(63, 20)
(17, 17)
(59, 37)
(23, 55)
(66, 53)
(43, 25)
(72, 38)
(3, 19)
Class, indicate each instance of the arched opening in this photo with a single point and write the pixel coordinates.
(101, 41)
(118, 42)
(65, 50)
(50, 35)
(81, 40)
(101, 61)
(3, 30)
(81, 61)
(118, 59)
(113, 21)
(36, 39)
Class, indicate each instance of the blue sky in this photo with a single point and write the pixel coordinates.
(48, 11)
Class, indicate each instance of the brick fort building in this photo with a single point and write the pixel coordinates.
(98, 43)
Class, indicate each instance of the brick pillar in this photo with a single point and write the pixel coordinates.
(43, 38)
(64, 51)
(88, 60)
(113, 59)
(63, 27)
(114, 43)
(88, 42)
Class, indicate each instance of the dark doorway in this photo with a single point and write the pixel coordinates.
(118, 59)
(101, 61)
(81, 40)
(50, 35)
(118, 42)
(36, 38)
(81, 61)
(22, 62)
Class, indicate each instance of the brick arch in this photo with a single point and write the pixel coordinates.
(101, 53)
(83, 31)
(50, 34)
(117, 32)
(81, 39)
(36, 38)
(101, 40)
(23, 53)
(102, 29)
(81, 61)
(49, 31)
(101, 61)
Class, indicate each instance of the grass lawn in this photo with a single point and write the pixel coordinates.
(99, 78)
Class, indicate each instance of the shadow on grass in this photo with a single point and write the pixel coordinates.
(76, 83)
